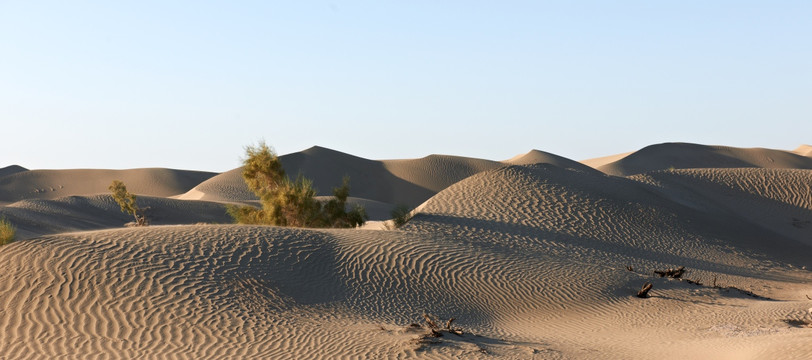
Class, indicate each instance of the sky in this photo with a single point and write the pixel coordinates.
(188, 84)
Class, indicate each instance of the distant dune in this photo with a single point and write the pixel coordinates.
(12, 169)
(603, 160)
(541, 157)
(52, 184)
(35, 217)
(691, 156)
(409, 182)
(804, 150)
(536, 257)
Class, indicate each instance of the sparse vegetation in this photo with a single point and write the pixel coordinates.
(290, 203)
(400, 215)
(127, 202)
(432, 331)
(7, 231)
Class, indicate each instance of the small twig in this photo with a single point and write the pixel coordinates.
(430, 322)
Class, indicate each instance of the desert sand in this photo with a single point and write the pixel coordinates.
(536, 257)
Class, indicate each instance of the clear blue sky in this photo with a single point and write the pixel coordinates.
(187, 84)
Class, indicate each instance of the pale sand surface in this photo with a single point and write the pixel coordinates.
(529, 255)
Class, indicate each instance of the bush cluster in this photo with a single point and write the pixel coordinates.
(288, 202)
(400, 215)
(7, 231)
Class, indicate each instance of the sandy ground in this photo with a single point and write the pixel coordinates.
(538, 256)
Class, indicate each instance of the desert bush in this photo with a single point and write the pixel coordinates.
(127, 202)
(7, 231)
(288, 202)
(400, 215)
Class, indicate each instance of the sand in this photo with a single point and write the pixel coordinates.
(531, 256)
(692, 156)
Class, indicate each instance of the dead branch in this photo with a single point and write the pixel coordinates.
(643, 293)
(430, 322)
(672, 273)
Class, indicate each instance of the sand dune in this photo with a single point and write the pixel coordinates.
(529, 255)
(541, 157)
(409, 181)
(11, 169)
(327, 168)
(689, 156)
(779, 200)
(37, 217)
(52, 184)
(804, 150)
(603, 160)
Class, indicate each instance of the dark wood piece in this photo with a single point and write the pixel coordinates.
(672, 273)
(643, 293)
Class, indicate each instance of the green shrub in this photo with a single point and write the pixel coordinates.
(290, 203)
(127, 202)
(7, 231)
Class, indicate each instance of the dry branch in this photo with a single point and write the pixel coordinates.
(672, 273)
(430, 322)
(643, 293)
